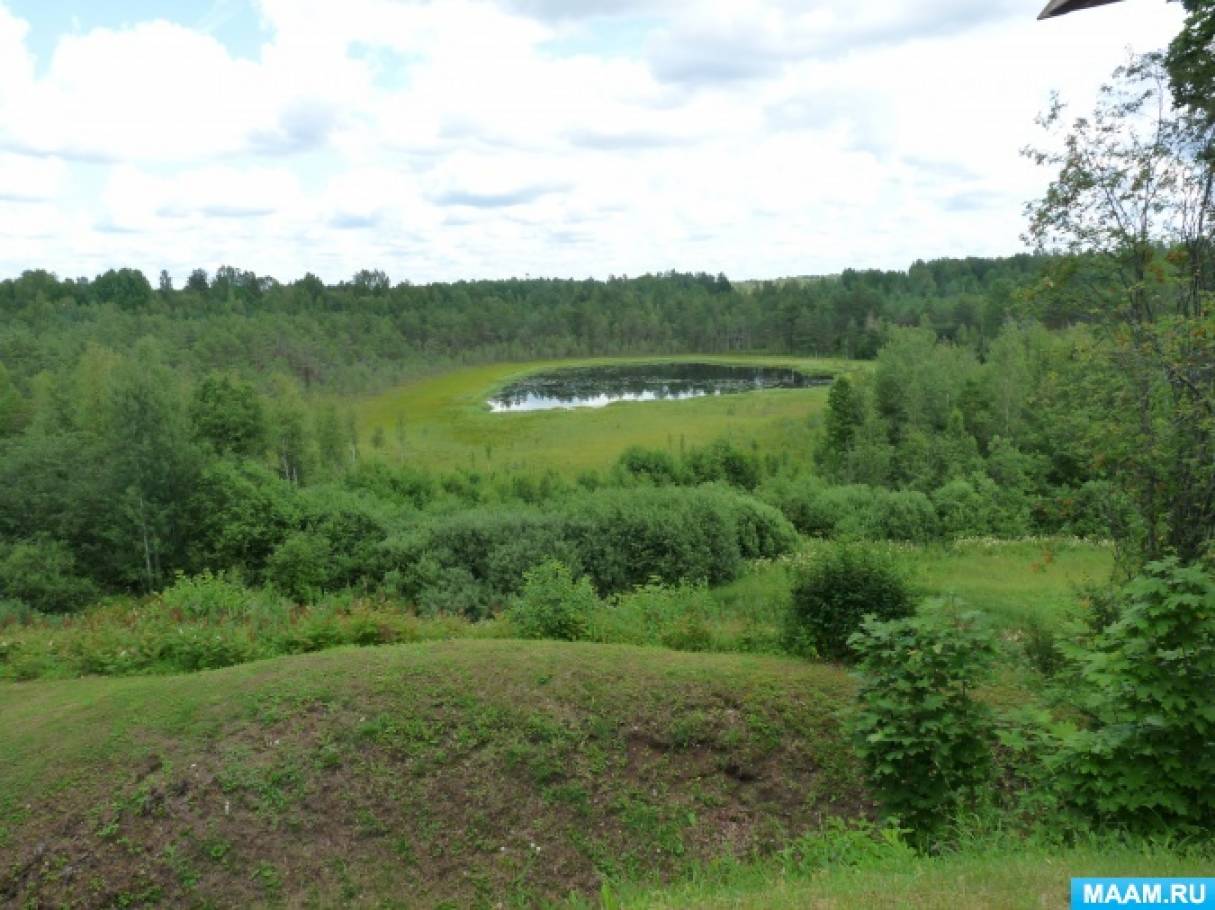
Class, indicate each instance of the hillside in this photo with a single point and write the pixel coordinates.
(414, 775)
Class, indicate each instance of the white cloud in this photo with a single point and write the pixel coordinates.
(28, 179)
(455, 138)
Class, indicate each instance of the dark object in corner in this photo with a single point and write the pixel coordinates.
(1062, 7)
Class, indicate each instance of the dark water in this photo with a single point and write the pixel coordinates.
(594, 387)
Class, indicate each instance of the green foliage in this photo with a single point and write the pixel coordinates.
(228, 416)
(206, 596)
(42, 574)
(301, 565)
(654, 613)
(802, 500)
(835, 593)
(722, 462)
(905, 515)
(653, 465)
(962, 510)
(463, 562)
(1190, 65)
(553, 604)
(845, 412)
(352, 524)
(624, 538)
(239, 513)
(922, 736)
(1146, 761)
(619, 538)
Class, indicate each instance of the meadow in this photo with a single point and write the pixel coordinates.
(443, 421)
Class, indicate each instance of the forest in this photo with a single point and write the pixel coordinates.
(953, 611)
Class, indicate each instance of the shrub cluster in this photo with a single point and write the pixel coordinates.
(833, 595)
(476, 559)
(923, 738)
(1145, 760)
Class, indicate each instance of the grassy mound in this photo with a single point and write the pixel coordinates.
(471, 773)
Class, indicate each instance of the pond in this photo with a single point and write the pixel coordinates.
(594, 387)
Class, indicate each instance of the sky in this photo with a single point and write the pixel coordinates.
(464, 139)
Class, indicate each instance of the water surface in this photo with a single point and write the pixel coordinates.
(594, 387)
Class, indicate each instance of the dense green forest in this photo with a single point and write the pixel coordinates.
(366, 332)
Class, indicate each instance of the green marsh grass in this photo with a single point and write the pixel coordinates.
(444, 422)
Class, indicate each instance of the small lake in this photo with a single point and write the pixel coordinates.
(594, 387)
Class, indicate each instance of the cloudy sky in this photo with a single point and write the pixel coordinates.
(489, 138)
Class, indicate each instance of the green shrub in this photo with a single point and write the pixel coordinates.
(239, 512)
(619, 538)
(301, 566)
(804, 501)
(397, 484)
(854, 509)
(623, 538)
(1146, 760)
(904, 515)
(962, 510)
(474, 557)
(720, 461)
(923, 740)
(653, 465)
(553, 604)
(353, 524)
(835, 593)
(14, 612)
(206, 596)
(41, 573)
(654, 613)
(762, 531)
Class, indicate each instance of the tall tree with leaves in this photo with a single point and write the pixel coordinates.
(152, 464)
(1132, 196)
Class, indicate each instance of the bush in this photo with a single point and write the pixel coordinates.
(855, 511)
(239, 513)
(301, 566)
(625, 537)
(1146, 761)
(41, 573)
(475, 557)
(904, 515)
(14, 612)
(619, 538)
(803, 501)
(207, 597)
(353, 524)
(553, 604)
(655, 613)
(924, 742)
(833, 596)
(400, 485)
(653, 465)
(962, 511)
(721, 461)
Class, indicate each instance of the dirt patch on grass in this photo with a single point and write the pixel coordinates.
(477, 774)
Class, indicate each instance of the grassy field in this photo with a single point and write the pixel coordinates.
(444, 421)
(1017, 583)
(994, 876)
(457, 774)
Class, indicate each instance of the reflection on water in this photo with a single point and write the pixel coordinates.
(594, 387)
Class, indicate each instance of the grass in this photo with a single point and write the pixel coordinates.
(444, 422)
(1000, 876)
(468, 772)
(1017, 583)
(1023, 586)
